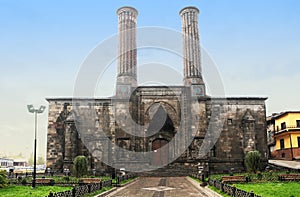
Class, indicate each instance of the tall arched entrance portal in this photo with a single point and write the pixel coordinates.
(162, 130)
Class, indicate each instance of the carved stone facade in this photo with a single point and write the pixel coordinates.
(186, 111)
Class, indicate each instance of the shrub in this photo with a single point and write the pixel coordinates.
(66, 178)
(80, 166)
(259, 175)
(252, 161)
(3, 178)
(24, 181)
(52, 182)
(19, 179)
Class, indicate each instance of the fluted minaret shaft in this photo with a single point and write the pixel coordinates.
(191, 46)
(127, 55)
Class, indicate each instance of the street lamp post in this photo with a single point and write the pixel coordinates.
(67, 171)
(31, 109)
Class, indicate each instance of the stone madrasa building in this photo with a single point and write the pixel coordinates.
(197, 129)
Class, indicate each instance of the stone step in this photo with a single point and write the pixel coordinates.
(167, 171)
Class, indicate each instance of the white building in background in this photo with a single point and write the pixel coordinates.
(20, 163)
(6, 164)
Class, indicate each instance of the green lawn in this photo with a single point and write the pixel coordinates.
(40, 191)
(266, 185)
(212, 188)
(264, 176)
(58, 179)
(123, 182)
(15, 191)
(280, 189)
(72, 178)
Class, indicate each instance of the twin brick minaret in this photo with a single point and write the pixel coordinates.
(191, 46)
(127, 48)
(127, 62)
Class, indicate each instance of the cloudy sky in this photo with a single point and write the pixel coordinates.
(255, 45)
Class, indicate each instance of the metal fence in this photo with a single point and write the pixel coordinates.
(124, 178)
(230, 190)
(80, 190)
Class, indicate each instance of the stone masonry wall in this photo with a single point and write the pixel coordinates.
(237, 138)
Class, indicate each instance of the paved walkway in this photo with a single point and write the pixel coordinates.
(163, 187)
(287, 164)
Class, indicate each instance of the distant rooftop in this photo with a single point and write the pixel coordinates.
(277, 115)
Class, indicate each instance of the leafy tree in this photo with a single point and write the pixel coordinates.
(80, 166)
(30, 160)
(252, 161)
(3, 178)
(40, 160)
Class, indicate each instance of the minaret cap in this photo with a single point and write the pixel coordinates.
(127, 9)
(188, 9)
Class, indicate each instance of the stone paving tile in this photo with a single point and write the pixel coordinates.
(284, 163)
(161, 187)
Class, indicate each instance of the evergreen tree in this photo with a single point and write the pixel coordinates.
(80, 166)
(252, 161)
